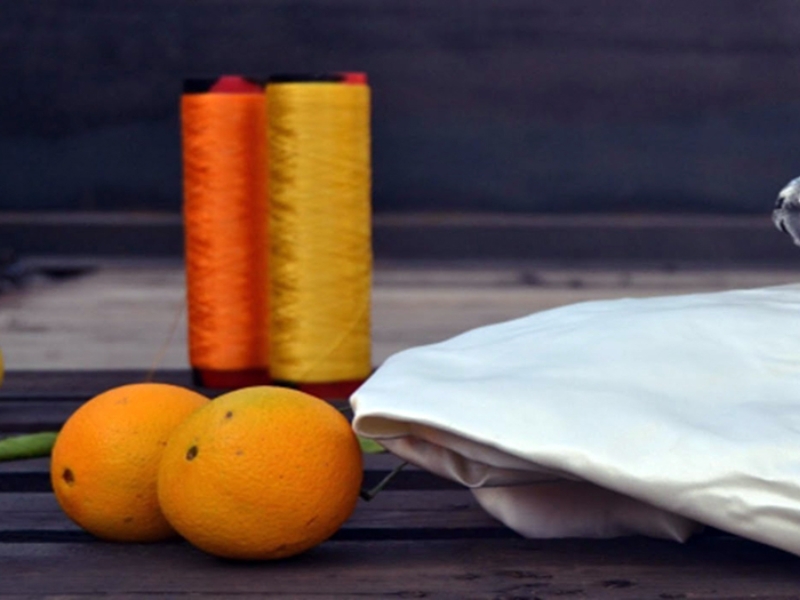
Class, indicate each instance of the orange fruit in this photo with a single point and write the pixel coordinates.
(260, 473)
(104, 463)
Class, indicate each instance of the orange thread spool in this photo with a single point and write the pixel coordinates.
(223, 128)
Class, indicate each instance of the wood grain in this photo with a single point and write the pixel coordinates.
(433, 509)
(474, 568)
(118, 316)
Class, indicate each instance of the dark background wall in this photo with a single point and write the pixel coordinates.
(491, 105)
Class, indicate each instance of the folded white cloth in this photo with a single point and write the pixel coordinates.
(634, 416)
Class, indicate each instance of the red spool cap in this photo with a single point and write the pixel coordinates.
(354, 78)
(235, 84)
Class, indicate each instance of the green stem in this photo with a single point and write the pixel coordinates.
(370, 494)
(32, 445)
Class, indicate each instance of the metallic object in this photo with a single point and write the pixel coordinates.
(786, 214)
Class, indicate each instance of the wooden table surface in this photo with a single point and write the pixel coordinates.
(422, 537)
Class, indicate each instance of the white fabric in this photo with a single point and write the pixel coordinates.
(649, 416)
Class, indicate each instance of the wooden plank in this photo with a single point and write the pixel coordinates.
(32, 512)
(28, 465)
(116, 319)
(479, 568)
(33, 416)
(654, 238)
(76, 385)
(431, 509)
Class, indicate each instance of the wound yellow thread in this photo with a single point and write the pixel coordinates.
(320, 231)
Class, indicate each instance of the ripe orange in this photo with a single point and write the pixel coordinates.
(104, 463)
(260, 473)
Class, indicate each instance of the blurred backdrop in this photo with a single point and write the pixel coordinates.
(525, 106)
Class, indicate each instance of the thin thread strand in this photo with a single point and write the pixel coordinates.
(158, 359)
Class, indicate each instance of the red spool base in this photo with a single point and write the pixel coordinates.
(229, 380)
(334, 391)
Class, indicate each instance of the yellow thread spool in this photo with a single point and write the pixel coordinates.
(320, 232)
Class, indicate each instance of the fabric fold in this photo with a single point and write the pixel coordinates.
(634, 416)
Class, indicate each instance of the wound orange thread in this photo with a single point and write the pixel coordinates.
(226, 220)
